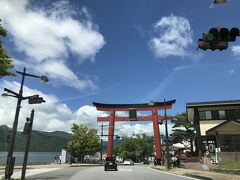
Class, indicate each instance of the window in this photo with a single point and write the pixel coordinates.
(230, 114)
(208, 114)
(215, 115)
(202, 115)
(236, 113)
(222, 114)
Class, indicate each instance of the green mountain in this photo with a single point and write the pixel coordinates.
(40, 141)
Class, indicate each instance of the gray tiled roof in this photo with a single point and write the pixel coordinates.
(213, 103)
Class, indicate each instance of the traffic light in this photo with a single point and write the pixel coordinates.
(234, 32)
(35, 99)
(218, 38)
(218, 2)
(133, 114)
(221, 45)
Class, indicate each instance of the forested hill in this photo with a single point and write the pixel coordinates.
(40, 141)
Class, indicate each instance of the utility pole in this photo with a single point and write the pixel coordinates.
(167, 143)
(101, 150)
(28, 132)
(102, 135)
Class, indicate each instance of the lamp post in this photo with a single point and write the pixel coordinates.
(10, 159)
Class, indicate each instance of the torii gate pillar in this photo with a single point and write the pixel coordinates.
(111, 133)
(157, 136)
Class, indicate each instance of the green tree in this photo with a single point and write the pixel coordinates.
(144, 146)
(183, 130)
(128, 148)
(85, 141)
(5, 58)
(136, 148)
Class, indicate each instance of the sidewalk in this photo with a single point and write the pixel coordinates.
(2, 168)
(37, 169)
(199, 174)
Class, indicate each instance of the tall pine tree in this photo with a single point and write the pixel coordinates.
(183, 130)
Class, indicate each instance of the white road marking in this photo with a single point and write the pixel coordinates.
(172, 174)
(128, 170)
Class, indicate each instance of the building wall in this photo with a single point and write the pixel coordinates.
(220, 107)
(206, 125)
(224, 157)
(229, 129)
(204, 122)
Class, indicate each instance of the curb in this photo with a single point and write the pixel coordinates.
(226, 171)
(198, 176)
(187, 174)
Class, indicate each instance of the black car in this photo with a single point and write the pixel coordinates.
(110, 164)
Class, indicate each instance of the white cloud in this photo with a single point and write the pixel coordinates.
(45, 35)
(128, 128)
(53, 115)
(58, 71)
(88, 115)
(236, 50)
(49, 116)
(173, 35)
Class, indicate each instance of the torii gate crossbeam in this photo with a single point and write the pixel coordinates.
(153, 107)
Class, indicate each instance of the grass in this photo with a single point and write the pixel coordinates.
(231, 165)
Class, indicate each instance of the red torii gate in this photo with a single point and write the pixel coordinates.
(152, 106)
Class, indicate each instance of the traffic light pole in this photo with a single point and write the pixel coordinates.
(29, 134)
(9, 168)
(10, 159)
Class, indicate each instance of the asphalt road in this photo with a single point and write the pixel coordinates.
(138, 172)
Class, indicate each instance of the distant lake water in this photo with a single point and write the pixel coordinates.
(33, 157)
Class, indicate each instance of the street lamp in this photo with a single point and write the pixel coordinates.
(44, 78)
(10, 159)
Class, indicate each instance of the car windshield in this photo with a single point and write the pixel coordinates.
(110, 159)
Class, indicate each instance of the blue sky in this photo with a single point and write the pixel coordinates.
(120, 52)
